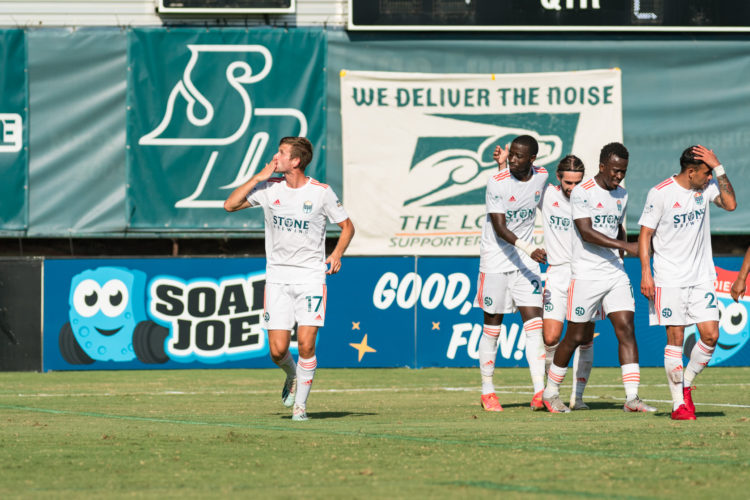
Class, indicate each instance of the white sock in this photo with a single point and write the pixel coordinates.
(699, 358)
(549, 354)
(631, 379)
(535, 352)
(287, 364)
(554, 378)
(582, 363)
(305, 375)
(673, 367)
(487, 353)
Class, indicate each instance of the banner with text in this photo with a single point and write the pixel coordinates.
(206, 111)
(13, 130)
(419, 147)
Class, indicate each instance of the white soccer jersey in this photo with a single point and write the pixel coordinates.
(296, 228)
(518, 201)
(558, 225)
(682, 233)
(606, 209)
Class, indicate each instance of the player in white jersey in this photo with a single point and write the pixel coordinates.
(558, 230)
(296, 208)
(598, 274)
(676, 220)
(509, 274)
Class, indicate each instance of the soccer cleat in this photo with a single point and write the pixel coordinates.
(536, 402)
(578, 404)
(299, 413)
(688, 399)
(289, 391)
(490, 402)
(636, 405)
(683, 413)
(555, 405)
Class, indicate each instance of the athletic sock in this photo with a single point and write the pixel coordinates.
(673, 367)
(287, 364)
(631, 378)
(555, 376)
(699, 358)
(549, 354)
(535, 352)
(582, 363)
(305, 375)
(487, 353)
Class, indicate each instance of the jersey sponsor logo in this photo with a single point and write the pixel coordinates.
(688, 219)
(520, 215)
(606, 220)
(307, 207)
(290, 224)
(559, 223)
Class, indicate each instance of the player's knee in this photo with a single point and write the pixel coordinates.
(710, 338)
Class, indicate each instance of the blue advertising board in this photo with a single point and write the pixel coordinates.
(382, 312)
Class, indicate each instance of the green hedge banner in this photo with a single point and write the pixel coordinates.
(13, 136)
(206, 111)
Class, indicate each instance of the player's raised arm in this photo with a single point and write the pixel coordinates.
(238, 199)
(501, 229)
(644, 253)
(727, 199)
(347, 233)
(501, 156)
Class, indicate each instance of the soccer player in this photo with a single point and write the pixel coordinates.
(509, 274)
(295, 208)
(598, 277)
(739, 286)
(558, 228)
(681, 290)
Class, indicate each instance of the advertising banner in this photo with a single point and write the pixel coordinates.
(381, 312)
(419, 147)
(13, 131)
(206, 111)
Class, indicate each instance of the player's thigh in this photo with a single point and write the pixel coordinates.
(493, 294)
(585, 299)
(702, 305)
(555, 296)
(526, 288)
(619, 297)
(669, 307)
(278, 307)
(310, 304)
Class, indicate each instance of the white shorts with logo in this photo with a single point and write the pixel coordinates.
(687, 305)
(284, 305)
(555, 295)
(587, 297)
(503, 293)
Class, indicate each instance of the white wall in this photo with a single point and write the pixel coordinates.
(32, 13)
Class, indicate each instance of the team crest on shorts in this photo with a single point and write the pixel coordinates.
(580, 311)
(666, 312)
(699, 198)
(307, 207)
(488, 301)
(266, 316)
(548, 307)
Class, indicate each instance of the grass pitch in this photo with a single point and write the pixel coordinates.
(392, 433)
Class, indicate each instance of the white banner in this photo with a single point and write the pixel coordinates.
(418, 147)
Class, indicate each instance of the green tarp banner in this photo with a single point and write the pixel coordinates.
(13, 135)
(206, 111)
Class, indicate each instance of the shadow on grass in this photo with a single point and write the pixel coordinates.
(333, 414)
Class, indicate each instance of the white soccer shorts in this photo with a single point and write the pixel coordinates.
(555, 295)
(283, 305)
(587, 297)
(687, 305)
(502, 293)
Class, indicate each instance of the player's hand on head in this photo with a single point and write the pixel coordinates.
(501, 155)
(738, 289)
(334, 264)
(706, 155)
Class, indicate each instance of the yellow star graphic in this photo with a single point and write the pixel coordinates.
(436, 325)
(362, 347)
(355, 325)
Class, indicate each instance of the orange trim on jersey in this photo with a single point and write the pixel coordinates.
(480, 291)
(317, 183)
(588, 184)
(665, 183)
(502, 175)
(540, 170)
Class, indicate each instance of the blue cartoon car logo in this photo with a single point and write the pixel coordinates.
(734, 331)
(108, 319)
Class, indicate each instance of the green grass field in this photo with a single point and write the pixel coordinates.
(392, 433)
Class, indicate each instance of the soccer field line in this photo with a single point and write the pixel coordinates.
(292, 427)
(499, 390)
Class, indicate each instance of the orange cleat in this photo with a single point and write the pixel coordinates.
(688, 399)
(683, 413)
(536, 402)
(490, 402)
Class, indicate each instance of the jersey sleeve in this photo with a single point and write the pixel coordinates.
(333, 207)
(579, 203)
(652, 210)
(257, 196)
(495, 197)
(712, 191)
